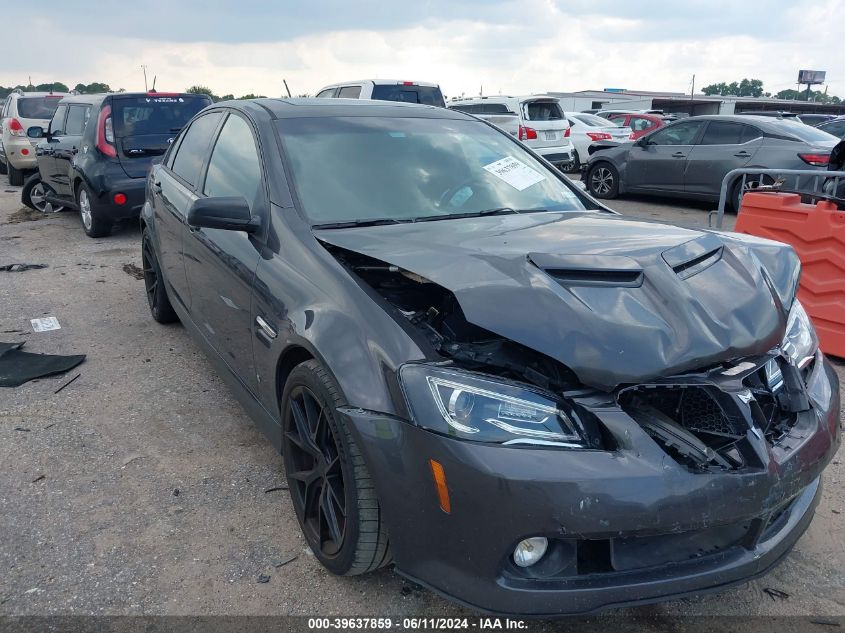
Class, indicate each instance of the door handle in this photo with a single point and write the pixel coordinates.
(679, 155)
(157, 187)
(743, 155)
(265, 327)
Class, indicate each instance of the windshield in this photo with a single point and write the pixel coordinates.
(402, 169)
(139, 116)
(594, 121)
(38, 107)
(428, 95)
(805, 132)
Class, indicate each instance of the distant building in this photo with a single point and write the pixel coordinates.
(683, 104)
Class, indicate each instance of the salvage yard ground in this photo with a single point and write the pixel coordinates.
(143, 488)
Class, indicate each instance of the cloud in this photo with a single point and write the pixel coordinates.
(508, 46)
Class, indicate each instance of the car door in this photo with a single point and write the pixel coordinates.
(221, 263)
(173, 194)
(724, 145)
(65, 150)
(45, 152)
(657, 161)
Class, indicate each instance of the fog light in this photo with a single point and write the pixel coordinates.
(530, 551)
(120, 198)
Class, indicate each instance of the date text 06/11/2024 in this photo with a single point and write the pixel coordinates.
(418, 624)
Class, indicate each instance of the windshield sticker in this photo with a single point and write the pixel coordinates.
(514, 172)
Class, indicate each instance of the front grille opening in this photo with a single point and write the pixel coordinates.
(698, 426)
(774, 408)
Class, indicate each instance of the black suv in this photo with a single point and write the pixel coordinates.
(98, 148)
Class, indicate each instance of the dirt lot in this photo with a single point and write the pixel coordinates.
(142, 487)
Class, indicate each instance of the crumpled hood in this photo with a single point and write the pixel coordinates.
(616, 300)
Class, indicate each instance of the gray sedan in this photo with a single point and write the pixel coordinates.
(690, 158)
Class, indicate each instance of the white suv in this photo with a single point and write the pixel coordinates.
(538, 121)
(21, 111)
(386, 90)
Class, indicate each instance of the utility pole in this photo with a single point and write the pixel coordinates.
(284, 81)
(144, 68)
(692, 89)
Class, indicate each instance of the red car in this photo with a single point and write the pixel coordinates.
(640, 123)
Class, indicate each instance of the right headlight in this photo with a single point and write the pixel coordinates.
(481, 408)
(800, 341)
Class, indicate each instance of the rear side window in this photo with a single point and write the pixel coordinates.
(77, 117)
(57, 124)
(234, 168)
(592, 120)
(837, 128)
(37, 107)
(542, 111)
(142, 116)
(349, 92)
(723, 133)
(429, 95)
(325, 94)
(194, 146)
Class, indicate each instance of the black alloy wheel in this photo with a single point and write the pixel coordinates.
(157, 298)
(318, 484)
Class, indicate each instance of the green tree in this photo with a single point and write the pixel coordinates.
(252, 96)
(203, 90)
(56, 86)
(95, 87)
(744, 88)
(228, 97)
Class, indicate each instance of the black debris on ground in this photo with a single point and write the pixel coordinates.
(67, 383)
(284, 560)
(39, 478)
(18, 367)
(776, 594)
(263, 578)
(20, 268)
(133, 271)
(275, 489)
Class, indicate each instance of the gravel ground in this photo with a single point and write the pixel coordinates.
(143, 488)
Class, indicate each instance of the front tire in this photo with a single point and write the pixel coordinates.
(160, 306)
(34, 195)
(603, 181)
(93, 223)
(330, 487)
(15, 175)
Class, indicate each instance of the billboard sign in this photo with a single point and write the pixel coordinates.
(811, 76)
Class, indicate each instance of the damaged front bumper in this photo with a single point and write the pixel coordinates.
(630, 525)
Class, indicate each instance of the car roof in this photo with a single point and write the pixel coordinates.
(100, 96)
(23, 95)
(313, 107)
(379, 82)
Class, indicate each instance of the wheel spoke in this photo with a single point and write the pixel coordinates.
(327, 509)
(302, 427)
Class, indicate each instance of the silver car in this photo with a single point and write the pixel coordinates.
(690, 158)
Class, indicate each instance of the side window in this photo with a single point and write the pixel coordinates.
(349, 92)
(193, 148)
(640, 124)
(723, 133)
(57, 123)
(495, 108)
(680, 134)
(618, 119)
(750, 133)
(325, 94)
(234, 168)
(77, 117)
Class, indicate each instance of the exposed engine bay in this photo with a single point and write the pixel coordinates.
(437, 314)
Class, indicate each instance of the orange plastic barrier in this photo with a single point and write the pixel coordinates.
(817, 233)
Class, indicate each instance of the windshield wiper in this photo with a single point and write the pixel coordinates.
(475, 214)
(353, 223)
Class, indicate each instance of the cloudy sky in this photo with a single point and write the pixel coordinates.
(508, 46)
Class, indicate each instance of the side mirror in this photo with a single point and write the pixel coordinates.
(36, 131)
(229, 214)
(643, 141)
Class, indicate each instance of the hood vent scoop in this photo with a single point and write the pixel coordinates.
(589, 270)
(690, 258)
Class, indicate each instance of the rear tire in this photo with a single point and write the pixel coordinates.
(576, 163)
(15, 175)
(160, 306)
(34, 194)
(603, 181)
(325, 470)
(751, 182)
(3, 169)
(93, 223)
